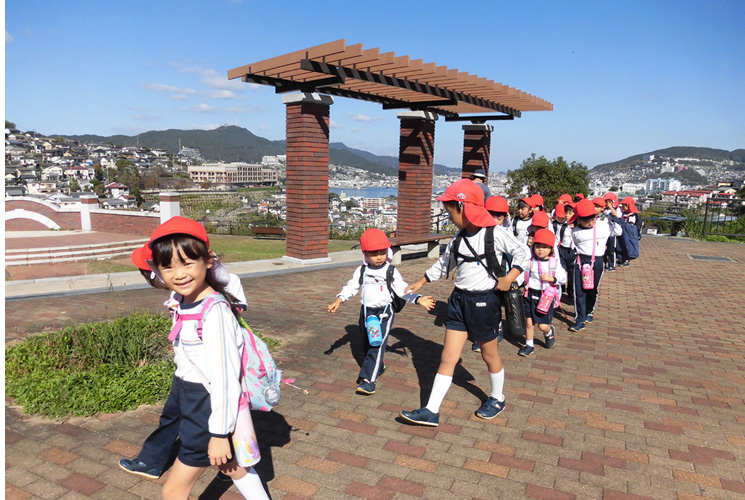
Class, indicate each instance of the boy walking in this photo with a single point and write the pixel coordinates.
(379, 282)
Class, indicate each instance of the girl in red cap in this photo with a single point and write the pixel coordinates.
(473, 306)
(207, 385)
(543, 277)
(590, 235)
(379, 281)
(631, 215)
(523, 216)
(563, 231)
(611, 209)
(157, 449)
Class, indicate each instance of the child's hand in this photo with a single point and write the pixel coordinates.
(547, 277)
(219, 451)
(504, 283)
(333, 307)
(426, 302)
(414, 287)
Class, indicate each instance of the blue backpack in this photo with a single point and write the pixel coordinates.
(260, 377)
(629, 240)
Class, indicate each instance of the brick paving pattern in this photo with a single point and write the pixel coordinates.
(646, 403)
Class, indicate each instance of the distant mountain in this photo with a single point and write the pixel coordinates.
(738, 156)
(231, 143)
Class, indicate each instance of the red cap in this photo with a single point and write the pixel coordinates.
(629, 200)
(633, 209)
(564, 198)
(598, 201)
(529, 201)
(540, 219)
(140, 255)
(374, 239)
(580, 196)
(611, 196)
(585, 208)
(560, 211)
(497, 204)
(537, 200)
(470, 194)
(544, 236)
(180, 225)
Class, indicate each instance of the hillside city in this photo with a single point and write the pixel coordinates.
(128, 178)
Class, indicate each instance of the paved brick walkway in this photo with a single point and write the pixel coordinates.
(646, 403)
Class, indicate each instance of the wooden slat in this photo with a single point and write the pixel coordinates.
(484, 93)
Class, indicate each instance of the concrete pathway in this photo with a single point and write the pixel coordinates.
(646, 403)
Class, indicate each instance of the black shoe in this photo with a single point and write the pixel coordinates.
(139, 467)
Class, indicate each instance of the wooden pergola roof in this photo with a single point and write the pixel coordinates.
(394, 81)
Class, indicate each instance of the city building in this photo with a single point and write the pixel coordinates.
(230, 175)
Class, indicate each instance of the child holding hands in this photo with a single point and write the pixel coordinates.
(543, 276)
(378, 281)
(473, 307)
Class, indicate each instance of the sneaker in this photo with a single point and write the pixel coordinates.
(366, 387)
(624, 264)
(490, 409)
(526, 350)
(476, 347)
(550, 337)
(589, 318)
(578, 326)
(610, 269)
(139, 467)
(422, 416)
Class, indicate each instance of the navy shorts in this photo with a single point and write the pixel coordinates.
(531, 302)
(192, 402)
(477, 313)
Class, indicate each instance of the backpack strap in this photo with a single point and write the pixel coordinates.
(389, 279)
(514, 226)
(197, 316)
(362, 274)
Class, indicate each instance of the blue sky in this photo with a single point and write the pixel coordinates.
(625, 77)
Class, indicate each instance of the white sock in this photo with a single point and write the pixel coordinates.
(529, 342)
(497, 385)
(439, 391)
(250, 486)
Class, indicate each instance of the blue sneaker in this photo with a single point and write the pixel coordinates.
(589, 318)
(550, 337)
(526, 350)
(366, 387)
(476, 347)
(490, 409)
(578, 326)
(139, 467)
(422, 416)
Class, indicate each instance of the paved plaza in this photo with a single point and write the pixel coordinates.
(646, 403)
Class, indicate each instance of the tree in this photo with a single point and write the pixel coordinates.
(9, 124)
(549, 178)
(74, 186)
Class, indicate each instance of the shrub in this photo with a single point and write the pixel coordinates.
(92, 368)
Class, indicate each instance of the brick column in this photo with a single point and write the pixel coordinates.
(415, 172)
(476, 149)
(307, 177)
(88, 203)
(170, 206)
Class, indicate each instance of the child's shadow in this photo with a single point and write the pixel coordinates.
(272, 430)
(425, 355)
(352, 337)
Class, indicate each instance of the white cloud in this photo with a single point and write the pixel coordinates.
(220, 94)
(365, 118)
(8, 38)
(355, 129)
(215, 80)
(146, 117)
(263, 127)
(334, 125)
(206, 126)
(160, 87)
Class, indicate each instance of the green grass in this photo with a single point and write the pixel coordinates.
(94, 368)
(244, 248)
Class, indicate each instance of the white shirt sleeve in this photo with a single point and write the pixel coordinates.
(352, 286)
(399, 286)
(223, 343)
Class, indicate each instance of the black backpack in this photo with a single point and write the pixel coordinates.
(493, 266)
(397, 303)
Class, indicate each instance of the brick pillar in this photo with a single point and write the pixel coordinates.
(415, 172)
(88, 203)
(170, 206)
(307, 177)
(476, 149)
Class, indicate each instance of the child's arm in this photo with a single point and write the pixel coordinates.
(426, 302)
(400, 288)
(508, 244)
(221, 335)
(335, 305)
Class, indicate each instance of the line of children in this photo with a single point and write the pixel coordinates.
(376, 298)
(204, 415)
(473, 306)
(629, 210)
